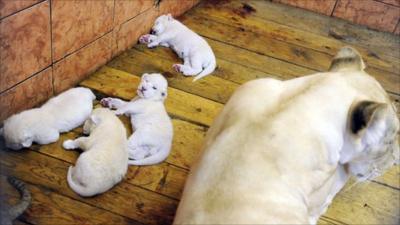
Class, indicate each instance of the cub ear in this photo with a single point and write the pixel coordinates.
(27, 142)
(95, 119)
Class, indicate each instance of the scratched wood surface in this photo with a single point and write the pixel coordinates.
(251, 39)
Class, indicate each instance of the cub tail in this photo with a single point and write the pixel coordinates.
(347, 59)
(77, 187)
(151, 160)
(209, 69)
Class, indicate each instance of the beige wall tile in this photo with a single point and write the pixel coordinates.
(27, 94)
(128, 33)
(71, 70)
(175, 7)
(127, 9)
(24, 44)
(368, 12)
(8, 7)
(75, 23)
(324, 7)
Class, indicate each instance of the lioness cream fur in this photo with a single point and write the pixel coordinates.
(152, 138)
(43, 125)
(104, 161)
(281, 150)
(198, 57)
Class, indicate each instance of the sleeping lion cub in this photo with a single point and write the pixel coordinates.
(281, 150)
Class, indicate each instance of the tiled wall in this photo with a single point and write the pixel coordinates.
(47, 46)
(383, 15)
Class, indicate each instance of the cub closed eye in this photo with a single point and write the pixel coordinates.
(154, 88)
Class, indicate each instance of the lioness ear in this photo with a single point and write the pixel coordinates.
(368, 120)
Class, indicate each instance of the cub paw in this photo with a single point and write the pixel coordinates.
(106, 102)
(144, 39)
(177, 67)
(69, 144)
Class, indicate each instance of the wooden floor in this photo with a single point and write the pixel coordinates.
(251, 40)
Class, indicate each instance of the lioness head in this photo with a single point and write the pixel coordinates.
(153, 86)
(161, 23)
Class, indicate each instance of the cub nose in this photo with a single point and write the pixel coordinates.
(152, 31)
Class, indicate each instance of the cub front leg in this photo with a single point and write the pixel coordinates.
(164, 44)
(112, 103)
(150, 39)
(81, 143)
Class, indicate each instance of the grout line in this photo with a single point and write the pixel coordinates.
(113, 23)
(89, 43)
(29, 77)
(397, 25)
(385, 3)
(22, 9)
(51, 47)
(334, 7)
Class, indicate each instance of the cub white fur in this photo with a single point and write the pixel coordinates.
(43, 125)
(198, 57)
(152, 138)
(104, 161)
(294, 148)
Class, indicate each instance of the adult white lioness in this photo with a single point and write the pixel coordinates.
(281, 150)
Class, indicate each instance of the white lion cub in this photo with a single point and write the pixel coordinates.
(43, 125)
(104, 161)
(197, 55)
(152, 138)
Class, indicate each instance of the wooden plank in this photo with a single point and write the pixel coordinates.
(48, 207)
(228, 14)
(163, 178)
(366, 203)
(211, 87)
(186, 145)
(169, 180)
(255, 42)
(346, 32)
(239, 65)
(179, 104)
(124, 199)
(263, 45)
